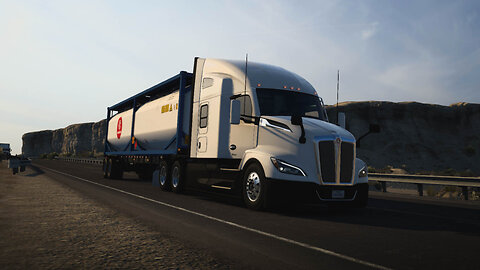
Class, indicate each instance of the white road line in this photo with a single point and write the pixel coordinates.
(322, 250)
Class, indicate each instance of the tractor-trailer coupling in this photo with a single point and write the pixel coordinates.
(256, 131)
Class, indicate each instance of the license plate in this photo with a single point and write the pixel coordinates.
(338, 194)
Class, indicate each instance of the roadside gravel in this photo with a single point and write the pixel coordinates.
(44, 224)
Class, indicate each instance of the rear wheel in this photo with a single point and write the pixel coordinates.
(178, 177)
(164, 176)
(255, 187)
(116, 170)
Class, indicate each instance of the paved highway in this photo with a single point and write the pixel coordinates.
(393, 232)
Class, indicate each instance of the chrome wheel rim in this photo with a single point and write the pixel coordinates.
(253, 186)
(175, 176)
(163, 175)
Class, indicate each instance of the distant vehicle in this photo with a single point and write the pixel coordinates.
(256, 131)
(5, 149)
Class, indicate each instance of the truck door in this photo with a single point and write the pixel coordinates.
(243, 136)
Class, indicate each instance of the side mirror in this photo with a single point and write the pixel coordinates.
(235, 112)
(296, 120)
(342, 119)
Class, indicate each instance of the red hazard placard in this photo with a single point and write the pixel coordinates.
(119, 128)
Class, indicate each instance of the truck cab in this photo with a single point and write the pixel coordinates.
(270, 125)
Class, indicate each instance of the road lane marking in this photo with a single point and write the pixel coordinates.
(290, 241)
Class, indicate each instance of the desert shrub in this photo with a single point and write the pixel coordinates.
(387, 169)
(450, 189)
(431, 191)
(85, 154)
(52, 155)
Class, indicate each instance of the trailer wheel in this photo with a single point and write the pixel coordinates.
(107, 167)
(164, 176)
(178, 177)
(254, 187)
(116, 170)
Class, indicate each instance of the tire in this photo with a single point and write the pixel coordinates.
(164, 176)
(361, 200)
(254, 187)
(177, 182)
(107, 167)
(116, 170)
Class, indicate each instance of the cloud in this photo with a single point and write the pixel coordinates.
(370, 31)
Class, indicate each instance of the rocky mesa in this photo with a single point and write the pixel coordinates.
(77, 139)
(414, 136)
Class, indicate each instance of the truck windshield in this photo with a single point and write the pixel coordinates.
(275, 102)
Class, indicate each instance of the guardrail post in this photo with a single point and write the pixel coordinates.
(384, 186)
(420, 189)
(465, 193)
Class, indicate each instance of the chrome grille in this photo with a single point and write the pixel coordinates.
(346, 162)
(336, 161)
(327, 161)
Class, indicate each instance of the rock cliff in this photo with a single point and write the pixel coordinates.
(78, 139)
(413, 136)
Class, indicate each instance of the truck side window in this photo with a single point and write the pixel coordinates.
(204, 116)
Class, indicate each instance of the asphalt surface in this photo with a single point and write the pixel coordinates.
(398, 232)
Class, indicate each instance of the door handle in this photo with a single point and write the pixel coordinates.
(233, 147)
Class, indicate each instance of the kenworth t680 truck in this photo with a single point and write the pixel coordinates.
(248, 129)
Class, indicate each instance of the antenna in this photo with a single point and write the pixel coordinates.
(338, 84)
(246, 72)
(245, 91)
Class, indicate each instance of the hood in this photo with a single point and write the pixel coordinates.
(315, 128)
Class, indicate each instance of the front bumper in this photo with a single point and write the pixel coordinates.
(311, 192)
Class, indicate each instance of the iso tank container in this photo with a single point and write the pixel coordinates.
(155, 124)
(120, 131)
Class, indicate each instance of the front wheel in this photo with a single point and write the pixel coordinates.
(255, 187)
(361, 200)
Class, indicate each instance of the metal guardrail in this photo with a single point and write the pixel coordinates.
(82, 160)
(420, 180)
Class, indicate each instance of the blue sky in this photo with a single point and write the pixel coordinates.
(64, 62)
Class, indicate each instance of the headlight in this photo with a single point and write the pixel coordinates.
(363, 173)
(284, 167)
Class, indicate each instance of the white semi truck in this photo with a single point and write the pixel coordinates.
(247, 129)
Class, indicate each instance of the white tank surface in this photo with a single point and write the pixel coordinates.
(156, 123)
(119, 130)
